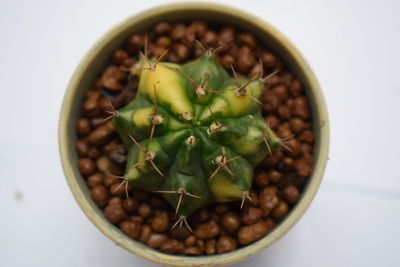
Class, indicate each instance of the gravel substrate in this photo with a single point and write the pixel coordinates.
(221, 227)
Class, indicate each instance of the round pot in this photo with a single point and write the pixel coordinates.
(100, 53)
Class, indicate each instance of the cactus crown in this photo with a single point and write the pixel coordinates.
(194, 133)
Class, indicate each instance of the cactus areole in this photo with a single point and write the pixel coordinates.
(194, 133)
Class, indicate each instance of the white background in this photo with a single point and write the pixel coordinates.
(353, 46)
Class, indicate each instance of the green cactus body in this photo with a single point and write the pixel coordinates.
(194, 133)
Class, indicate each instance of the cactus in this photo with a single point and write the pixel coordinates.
(194, 133)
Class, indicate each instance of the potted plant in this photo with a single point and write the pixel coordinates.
(191, 130)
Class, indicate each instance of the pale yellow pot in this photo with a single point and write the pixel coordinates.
(95, 60)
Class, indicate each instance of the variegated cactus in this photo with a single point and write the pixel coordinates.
(194, 133)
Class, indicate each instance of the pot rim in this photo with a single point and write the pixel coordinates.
(140, 249)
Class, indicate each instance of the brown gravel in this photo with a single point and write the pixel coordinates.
(251, 215)
(160, 222)
(95, 179)
(230, 221)
(130, 205)
(221, 227)
(131, 228)
(226, 244)
(156, 240)
(86, 166)
(100, 195)
(250, 233)
(115, 213)
(207, 230)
